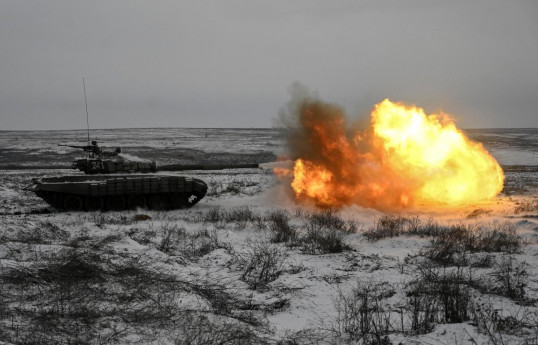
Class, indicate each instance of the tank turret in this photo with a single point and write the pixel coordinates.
(93, 149)
(100, 161)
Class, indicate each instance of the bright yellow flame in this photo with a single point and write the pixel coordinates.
(313, 182)
(405, 158)
(431, 152)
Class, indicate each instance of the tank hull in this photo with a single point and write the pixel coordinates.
(120, 192)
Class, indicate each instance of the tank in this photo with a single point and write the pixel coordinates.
(120, 192)
(116, 184)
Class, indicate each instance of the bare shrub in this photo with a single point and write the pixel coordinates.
(200, 329)
(499, 237)
(232, 188)
(450, 246)
(214, 215)
(298, 213)
(226, 303)
(388, 226)
(215, 188)
(481, 260)
(260, 222)
(363, 315)
(73, 265)
(325, 233)
(496, 237)
(446, 253)
(261, 264)
(177, 241)
(279, 224)
(330, 220)
(172, 235)
(319, 240)
(352, 226)
(64, 266)
(240, 216)
(396, 225)
(204, 242)
(439, 296)
(496, 326)
(502, 237)
(510, 278)
(421, 228)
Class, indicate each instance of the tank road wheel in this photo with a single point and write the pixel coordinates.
(176, 201)
(158, 202)
(136, 201)
(93, 203)
(115, 203)
(73, 203)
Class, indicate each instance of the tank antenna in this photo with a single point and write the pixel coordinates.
(87, 117)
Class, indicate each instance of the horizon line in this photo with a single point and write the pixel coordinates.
(234, 128)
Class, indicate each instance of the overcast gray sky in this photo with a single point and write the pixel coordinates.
(229, 63)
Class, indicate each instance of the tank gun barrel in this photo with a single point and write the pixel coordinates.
(74, 146)
(180, 167)
(93, 148)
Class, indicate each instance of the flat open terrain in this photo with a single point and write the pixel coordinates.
(247, 265)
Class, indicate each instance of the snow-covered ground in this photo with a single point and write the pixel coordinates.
(248, 265)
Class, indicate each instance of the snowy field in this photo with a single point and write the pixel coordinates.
(248, 265)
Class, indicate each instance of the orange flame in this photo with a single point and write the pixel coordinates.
(405, 158)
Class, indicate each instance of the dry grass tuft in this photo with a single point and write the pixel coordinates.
(261, 264)
(526, 206)
(283, 231)
(439, 296)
